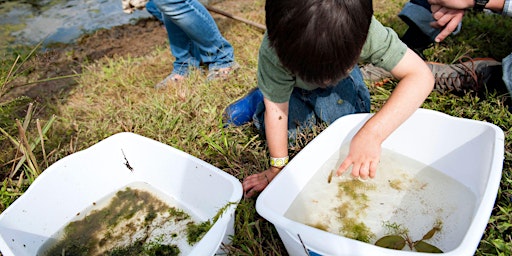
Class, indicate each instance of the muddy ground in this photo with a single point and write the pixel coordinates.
(63, 60)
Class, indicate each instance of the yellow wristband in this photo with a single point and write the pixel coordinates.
(278, 161)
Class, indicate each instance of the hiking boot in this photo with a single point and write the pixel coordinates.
(241, 111)
(469, 75)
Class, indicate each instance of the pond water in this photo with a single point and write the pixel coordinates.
(406, 198)
(137, 218)
(30, 22)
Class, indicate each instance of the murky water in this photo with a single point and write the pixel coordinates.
(136, 218)
(405, 194)
(53, 21)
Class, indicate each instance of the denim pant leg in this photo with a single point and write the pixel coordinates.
(349, 96)
(182, 47)
(153, 10)
(306, 108)
(189, 25)
(507, 72)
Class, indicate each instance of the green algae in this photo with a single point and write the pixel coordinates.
(130, 211)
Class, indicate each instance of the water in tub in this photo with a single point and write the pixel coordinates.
(406, 198)
(136, 220)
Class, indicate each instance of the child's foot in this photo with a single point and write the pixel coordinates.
(171, 79)
(241, 111)
(221, 73)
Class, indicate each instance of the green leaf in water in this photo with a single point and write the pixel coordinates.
(430, 233)
(421, 246)
(391, 242)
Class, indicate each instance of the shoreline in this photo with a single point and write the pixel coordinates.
(59, 60)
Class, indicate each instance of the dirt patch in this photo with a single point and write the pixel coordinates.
(64, 60)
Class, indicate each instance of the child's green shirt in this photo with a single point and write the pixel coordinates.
(382, 48)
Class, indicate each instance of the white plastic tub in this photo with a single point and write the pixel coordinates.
(75, 182)
(469, 151)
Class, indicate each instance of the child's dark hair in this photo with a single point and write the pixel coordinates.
(319, 41)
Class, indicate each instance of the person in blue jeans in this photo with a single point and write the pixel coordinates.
(431, 23)
(194, 40)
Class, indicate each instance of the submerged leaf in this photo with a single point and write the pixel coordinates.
(391, 242)
(421, 246)
(431, 233)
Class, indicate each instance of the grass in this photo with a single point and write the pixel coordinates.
(116, 95)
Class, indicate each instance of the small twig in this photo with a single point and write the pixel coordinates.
(410, 243)
(229, 15)
(303, 245)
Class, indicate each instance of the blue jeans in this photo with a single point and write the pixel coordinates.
(153, 10)
(307, 108)
(193, 36)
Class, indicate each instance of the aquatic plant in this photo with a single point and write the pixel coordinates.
(401, 238)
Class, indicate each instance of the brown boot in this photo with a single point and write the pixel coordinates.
(464, 76)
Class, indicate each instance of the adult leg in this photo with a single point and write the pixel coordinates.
(420, 35)
(153, 10)
(182, 46)
(191, 19)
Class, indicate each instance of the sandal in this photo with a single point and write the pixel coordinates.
(221, 73)
(171, 79)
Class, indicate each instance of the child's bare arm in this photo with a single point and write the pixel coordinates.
(416, 83)
(276, 130)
